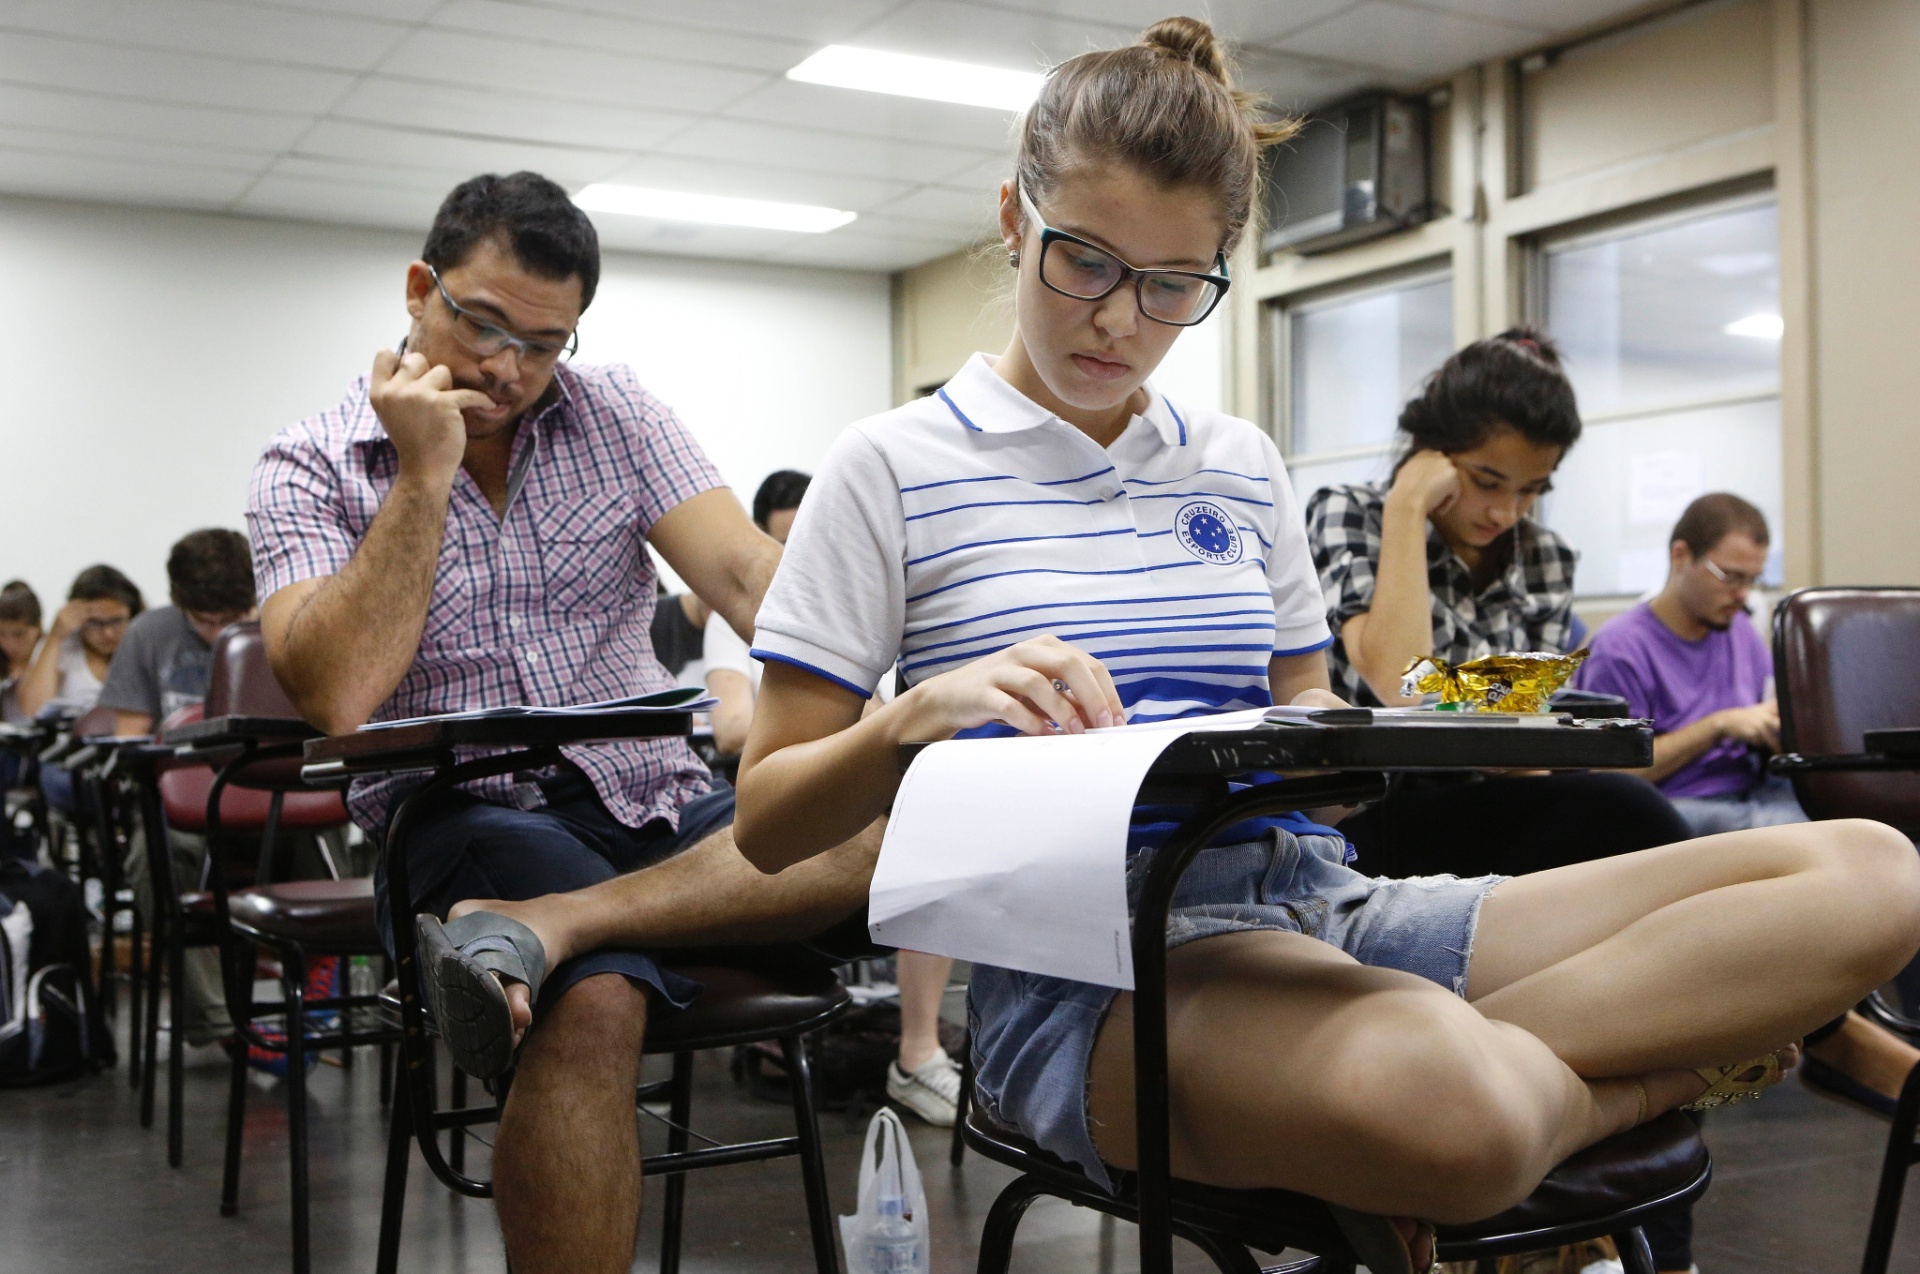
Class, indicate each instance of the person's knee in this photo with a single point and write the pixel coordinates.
(597, 1026)
(1880, 869)
(1426, 1085)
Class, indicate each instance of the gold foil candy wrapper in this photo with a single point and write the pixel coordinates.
(1521, 682)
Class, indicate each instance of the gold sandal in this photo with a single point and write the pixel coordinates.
(1737, 1083)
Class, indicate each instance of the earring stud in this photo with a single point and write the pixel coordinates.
(1013, 259)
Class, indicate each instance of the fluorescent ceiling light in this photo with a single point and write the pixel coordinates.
(1762, 327)
(719, 210)
(933, 78)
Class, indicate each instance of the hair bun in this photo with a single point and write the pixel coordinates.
(1190, 40)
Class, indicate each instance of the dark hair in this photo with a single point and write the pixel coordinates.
(781, 490)
(1513, 379)
(211, 572)
(19, 604)
(105, 584)
(1711, 518)
(1164, 106)
(548, 234)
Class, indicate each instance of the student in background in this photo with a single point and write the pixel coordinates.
(679, 620)
(1691, 662)
(19, 635)
(73, 661)
(922, 1078)
(167, 656)
(1445, 559)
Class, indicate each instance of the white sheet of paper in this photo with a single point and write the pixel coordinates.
(1012, 852)
(1660, 485)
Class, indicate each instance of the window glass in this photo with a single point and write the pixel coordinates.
(1671, 335)
(1686, 311)
(1354, 361)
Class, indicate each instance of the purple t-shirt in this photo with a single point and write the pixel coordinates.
(1675, 682)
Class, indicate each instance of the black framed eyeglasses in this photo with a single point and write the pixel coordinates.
(1087, 272)
(487, 338)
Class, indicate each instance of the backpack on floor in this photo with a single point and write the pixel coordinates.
(49, 1029)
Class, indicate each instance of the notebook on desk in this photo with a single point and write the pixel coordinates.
(679, 699)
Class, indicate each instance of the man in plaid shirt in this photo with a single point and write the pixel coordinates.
(470, 527)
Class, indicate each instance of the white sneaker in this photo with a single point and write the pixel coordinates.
(931, 1090)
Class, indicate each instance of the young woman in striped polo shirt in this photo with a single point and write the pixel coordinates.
(1049, 539)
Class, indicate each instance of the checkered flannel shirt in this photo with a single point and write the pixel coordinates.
(550, 604)
(1529, 607)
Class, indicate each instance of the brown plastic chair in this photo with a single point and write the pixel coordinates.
(1845, 663)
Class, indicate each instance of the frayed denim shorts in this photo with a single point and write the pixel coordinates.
(1033, 1034)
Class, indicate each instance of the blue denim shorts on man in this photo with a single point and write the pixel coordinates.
(463, 847)
(1033, 1035)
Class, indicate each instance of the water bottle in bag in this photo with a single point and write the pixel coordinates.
(888, 1234)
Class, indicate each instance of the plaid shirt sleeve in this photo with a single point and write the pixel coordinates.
(1343, 526)
(673, 467)
(296, 516)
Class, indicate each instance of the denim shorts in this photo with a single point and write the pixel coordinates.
(1033, 1035)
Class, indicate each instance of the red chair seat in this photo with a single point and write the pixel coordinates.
(184, 792)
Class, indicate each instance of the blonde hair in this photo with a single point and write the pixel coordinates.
(1166, 107)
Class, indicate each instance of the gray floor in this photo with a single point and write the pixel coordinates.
(84, 1188)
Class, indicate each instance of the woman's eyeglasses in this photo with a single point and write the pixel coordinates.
(487, 339)
(1073, 267)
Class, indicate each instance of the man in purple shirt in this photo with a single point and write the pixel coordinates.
(1691, 662)
(470, 526)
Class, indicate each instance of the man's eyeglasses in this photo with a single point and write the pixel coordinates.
(1073, 267)
(486, 338)
(1738, 581)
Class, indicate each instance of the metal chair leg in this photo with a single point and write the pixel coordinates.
(673, 1205)
(241, 1011)
(457, 1137)
(149, 1062)
(136, 993)
(1893, 1177)
(1003, 1221)
(393, 1194)
(813, 1167)
(176, 1050)
(1636, 1256)
(957, 1150)
(293, 977)
(1227, 1256)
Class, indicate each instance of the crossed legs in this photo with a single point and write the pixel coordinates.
(1384, 1092)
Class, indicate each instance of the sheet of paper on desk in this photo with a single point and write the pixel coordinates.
(679, 699)
(1012, 852)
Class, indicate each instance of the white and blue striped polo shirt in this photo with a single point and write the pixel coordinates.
(957, 525)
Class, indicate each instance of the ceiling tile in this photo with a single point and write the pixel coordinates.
(131, 150)
(476, 112)
(340, 201)
(117, 181)
(114, 117)
(1418, 42)
(1559, 16)
(214, 28)
(438, 152)
(608, 34)
(759, 143)
(685, 238)
(389, 10)
(1004, 37)
(984, 176)
(789, 185)
(969, 213)
(55, 62)
(815, 21)
(1294, 83)
(449, 57)
(410, 178)
(848, 255)
(843, 110)
(1242, 21)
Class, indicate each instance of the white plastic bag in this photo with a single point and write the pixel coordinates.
(889, 1232)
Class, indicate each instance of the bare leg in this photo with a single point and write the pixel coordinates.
(1367, 1087)
(1702, 953)
(707, 895)
(566, 1164)
(923, 981)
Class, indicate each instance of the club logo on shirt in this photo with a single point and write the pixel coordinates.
(1206, 530)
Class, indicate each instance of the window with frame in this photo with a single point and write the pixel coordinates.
(1670, 327)
(1341, 366)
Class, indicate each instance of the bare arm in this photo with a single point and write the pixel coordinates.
(816, 771)
(1757, 726)
(127, 724)
(340, 644)
(734, 714)
(39, 684)
(713, 545)
(1290, 676)
(1398, 627)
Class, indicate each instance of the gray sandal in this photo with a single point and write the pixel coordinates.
(458, 964)
(1378, 1244)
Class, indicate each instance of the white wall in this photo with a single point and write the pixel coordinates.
(148, 355)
